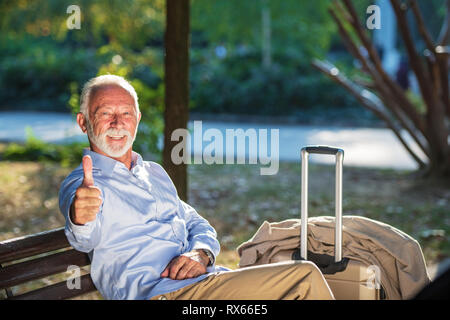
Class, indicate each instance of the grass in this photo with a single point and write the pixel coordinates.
(236, 200)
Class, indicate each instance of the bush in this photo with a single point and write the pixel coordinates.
(33, 149)
(238, 84)
(36, 74)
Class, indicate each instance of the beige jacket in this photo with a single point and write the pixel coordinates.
(399, 257)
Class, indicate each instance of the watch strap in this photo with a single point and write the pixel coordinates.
(210, 256)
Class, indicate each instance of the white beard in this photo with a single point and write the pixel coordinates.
(100, 141)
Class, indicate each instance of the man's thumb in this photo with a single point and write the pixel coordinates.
(88, 180)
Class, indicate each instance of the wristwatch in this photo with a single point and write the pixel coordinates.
(210, 256)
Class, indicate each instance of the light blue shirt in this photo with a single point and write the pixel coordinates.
(141, 226)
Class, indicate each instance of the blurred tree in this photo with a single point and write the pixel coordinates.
(252, 57)
(126, 23)
(288, 25)
(42, 58)
(426, 118)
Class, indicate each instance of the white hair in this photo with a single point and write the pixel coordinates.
(102, 81)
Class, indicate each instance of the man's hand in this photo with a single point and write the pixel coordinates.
(87, 201)
(188, 265)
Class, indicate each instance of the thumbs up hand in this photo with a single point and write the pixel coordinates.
(88, 180)
(87, 200)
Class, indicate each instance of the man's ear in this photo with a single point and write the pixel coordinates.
(81, 120)
(139, 118)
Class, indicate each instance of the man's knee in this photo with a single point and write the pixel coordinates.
(303, 266)
(300, 280)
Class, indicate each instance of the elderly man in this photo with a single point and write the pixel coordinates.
(143, 240)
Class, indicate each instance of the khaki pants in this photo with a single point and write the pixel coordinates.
(288, 280)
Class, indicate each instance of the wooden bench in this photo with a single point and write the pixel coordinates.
(38, 256)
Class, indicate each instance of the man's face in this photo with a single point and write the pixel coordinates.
(113, 121)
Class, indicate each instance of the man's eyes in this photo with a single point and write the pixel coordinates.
(103, 114)
(108, 114)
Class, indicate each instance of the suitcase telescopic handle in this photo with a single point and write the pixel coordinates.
(339, 155)
(322, 150)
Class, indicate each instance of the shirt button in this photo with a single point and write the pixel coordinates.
(162, 298)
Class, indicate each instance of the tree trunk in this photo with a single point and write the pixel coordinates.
(383, 96)
(176, 86)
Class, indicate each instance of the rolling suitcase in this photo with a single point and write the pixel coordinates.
(348, 279)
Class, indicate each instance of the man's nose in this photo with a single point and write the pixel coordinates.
(116, 121)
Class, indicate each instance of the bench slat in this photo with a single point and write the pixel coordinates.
(41, 267)
(23, 247)
(59, 291)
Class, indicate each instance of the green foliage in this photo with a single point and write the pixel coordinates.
(37, 73)
(33, 149)
(300, 24)
(151, 125)
(239, 84)
(132, 23)
(43, 63)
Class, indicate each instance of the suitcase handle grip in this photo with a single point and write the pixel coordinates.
(339, 154)
(322, 150)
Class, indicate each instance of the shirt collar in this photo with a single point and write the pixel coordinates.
(107, 164)
(136, 160)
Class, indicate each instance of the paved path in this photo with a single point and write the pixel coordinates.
(50, 127)
(363, 146)
(369, 147)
